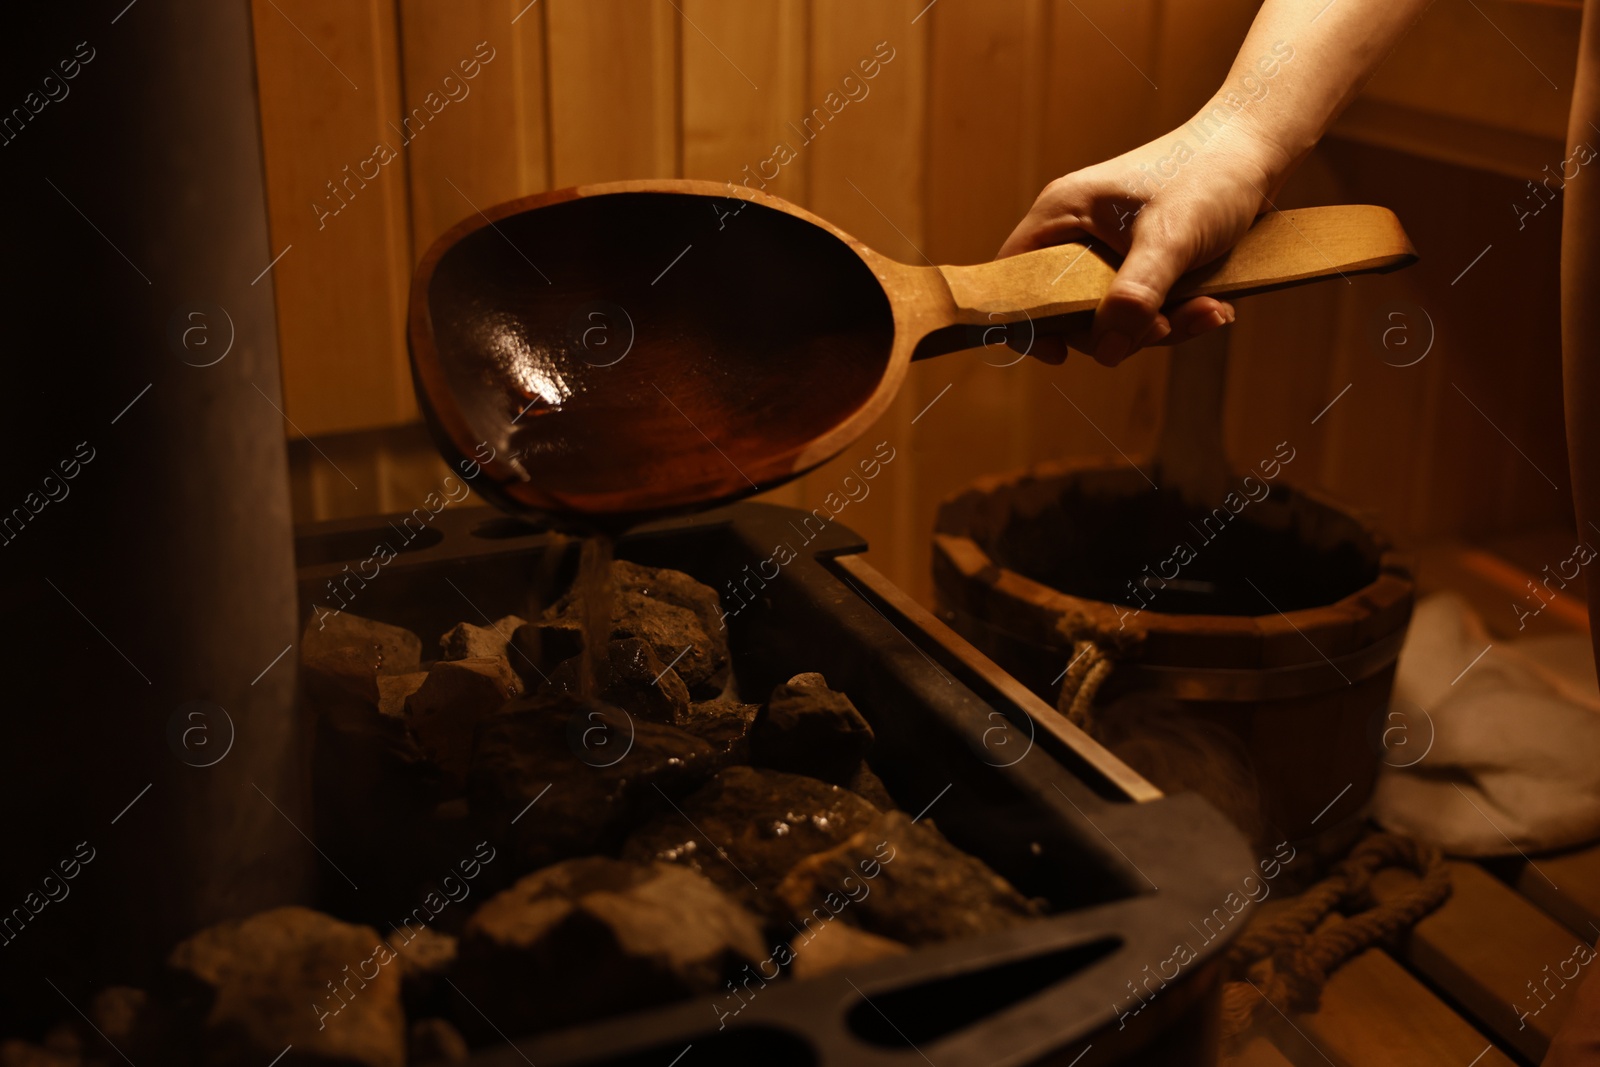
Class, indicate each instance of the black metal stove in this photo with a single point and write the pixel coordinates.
(1130, 874)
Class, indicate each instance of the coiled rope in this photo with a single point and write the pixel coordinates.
(1292, 958)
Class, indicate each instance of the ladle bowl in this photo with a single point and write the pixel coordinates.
(608, 353)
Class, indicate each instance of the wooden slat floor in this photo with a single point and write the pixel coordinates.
(1477, 982)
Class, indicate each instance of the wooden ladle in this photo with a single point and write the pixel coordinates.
(611, 352)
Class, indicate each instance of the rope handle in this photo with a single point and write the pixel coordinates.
(1086, 672)
(1298, 960)
(1292, 957)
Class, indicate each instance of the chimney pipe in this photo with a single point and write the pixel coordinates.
(145, 535)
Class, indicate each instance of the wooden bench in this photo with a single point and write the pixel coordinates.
(1477, 982)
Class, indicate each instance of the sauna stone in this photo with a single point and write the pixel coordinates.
(23, 1054)
(867, 785)
(633, 678)
(436, 1041)
(254, 984)
(425, 959)
(595, 791)
(538, 648)
(611, 936)
(132, 1020)
(395, 689)
(677, 616)
(466, 641)
(343, 690)
(746, 828)
(903, 881)
(810, 729)
(455, 697)
(390, 649)
(120, 1012)
(724, 724)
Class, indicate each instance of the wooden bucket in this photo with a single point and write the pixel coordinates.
(1286, 634)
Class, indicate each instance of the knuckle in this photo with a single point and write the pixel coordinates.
(1133, 295)
(1067, 192)
(1158, 231)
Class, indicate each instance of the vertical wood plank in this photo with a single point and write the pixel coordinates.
(1468, 441)
(744, 82)
(977, 99)
(490, 142)
(329, 87)
(613, 90)
(1521, 77)
(666, 39)
(1195, 46)
(865, 169)
(1101, 96)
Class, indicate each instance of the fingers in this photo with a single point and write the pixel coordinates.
(1129, 316)
(1023, 239)
(1128, 311)
(1157, 334)
(1040, 228)
(1059, 214)
(1051, 350)
(1184, 322)
(1195, 317)
(1187, 320)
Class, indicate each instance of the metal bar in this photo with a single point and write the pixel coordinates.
(1125, 778)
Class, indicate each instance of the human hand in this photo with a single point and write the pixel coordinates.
(1168, 206)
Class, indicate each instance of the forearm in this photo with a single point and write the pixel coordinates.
(1301, 63)
(1185, 198)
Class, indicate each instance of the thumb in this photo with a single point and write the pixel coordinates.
(1134, 298)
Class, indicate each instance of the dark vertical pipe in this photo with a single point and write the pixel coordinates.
(133, 209)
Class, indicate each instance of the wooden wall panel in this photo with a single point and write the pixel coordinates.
(1504, 111)
(744, 91)
(1101, 93)
(491, 144)
(866, 169)
(1501, 465)
(865, 173)
(330, 85)
(1196, 44)
(1406, 442)
(613, 90)
(982, 53)
(1519, 76)
(986, 62)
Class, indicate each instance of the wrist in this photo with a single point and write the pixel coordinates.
(1227, 127)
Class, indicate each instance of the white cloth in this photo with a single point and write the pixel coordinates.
(1514, 762)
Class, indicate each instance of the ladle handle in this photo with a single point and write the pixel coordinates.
(1057, 288)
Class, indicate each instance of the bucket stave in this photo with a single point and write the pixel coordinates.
(1281, 625)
